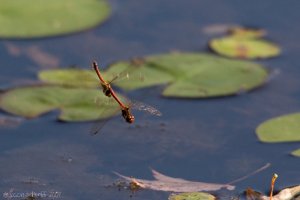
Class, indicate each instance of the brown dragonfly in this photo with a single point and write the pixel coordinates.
(125, 108)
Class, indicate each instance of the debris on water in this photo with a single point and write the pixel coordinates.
(10, 121)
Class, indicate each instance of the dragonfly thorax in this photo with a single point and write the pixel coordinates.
(106, 89)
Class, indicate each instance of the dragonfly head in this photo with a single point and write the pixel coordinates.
(129, 118)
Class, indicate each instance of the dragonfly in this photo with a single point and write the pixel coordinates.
(125, 108)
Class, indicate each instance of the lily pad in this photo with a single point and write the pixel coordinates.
(285, 128)
(193, 75)
(296, 153)
(69, 77)
(237, 47)
(192, 196)
(32, 18)
(187, 75)
(32, 102)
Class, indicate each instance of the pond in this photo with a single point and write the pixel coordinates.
(209, 140)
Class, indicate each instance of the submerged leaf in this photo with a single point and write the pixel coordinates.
(170, 184)
(193, 75)
(31, 102)
(239, 47)
(285, 128)
(192, 196)
(31, 18)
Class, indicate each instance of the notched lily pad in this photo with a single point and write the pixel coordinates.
(192, 196)
(32, 102)
(240, 47)
(31, 18)
(192, 75)
(285, 128)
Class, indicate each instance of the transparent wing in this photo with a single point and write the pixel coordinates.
(144, 107)
(119, 77)
(99, 124)
(127, 74)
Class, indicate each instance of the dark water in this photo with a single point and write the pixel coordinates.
(206, 140)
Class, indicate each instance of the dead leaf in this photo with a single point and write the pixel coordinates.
(214, 29)
(42, 58)
(13, 50)
(9, 121)
(285, 194)
(170, 184)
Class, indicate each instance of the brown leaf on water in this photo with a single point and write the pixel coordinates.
(39, 56)
(9, 121)
(12, 49)
(253, 195)
(291, 193)
(170, 184)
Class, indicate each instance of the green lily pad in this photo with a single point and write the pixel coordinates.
(187, 75)
(69, 77)
(36, 18)
(285, 128)
(32, 102)
(192, 196)
(296, 153)
(236, 47)
(193, 75)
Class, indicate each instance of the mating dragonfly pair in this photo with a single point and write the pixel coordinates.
(125, 109)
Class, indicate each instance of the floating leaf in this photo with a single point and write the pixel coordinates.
(187, 75)
(237, 47)
(192, 196)
(241, 32)
(31, 102)
(296, 153)
(144, 75)
(170, 184)
(32, 18)
(290, 193)
(69, 77)
(9, 121)
(192, 75)
(285, 128)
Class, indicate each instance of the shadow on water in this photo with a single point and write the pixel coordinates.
(202, 140)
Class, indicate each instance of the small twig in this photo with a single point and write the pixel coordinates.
(275, 176)
(251, 174)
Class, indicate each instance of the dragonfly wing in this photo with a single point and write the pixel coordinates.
(144, 107)
(120, 77)
(98, 125)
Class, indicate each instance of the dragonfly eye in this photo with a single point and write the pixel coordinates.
(130, 119)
